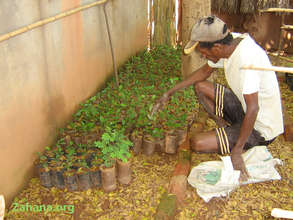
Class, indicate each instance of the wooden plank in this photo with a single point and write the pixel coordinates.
(281, 57)
(286, 10)
(287, 27)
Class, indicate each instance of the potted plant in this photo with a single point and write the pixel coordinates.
(181, 131)
(158, 134)
(148, 145)
(69, 149)
(57, 169)
(68, 140)
(136, 137)
(123, 163)
(70, 179)
(113, 145)
(81, 150)
(49, 153)
(95, 172)
(44, 171)
(171, 142)
(83, 174)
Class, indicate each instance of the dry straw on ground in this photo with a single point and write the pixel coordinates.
(151, 175)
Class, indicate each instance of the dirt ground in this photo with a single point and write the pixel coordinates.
(151, 175)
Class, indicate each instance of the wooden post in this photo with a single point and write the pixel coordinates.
(192, 10)
(281, 38)
(151, 20)
(164, 22)
(179, 25)
(288, 124)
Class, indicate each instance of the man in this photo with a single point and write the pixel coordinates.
(251, 108)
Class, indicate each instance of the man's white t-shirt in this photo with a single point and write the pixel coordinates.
(269, 121)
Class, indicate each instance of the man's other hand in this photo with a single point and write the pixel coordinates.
(238, 164)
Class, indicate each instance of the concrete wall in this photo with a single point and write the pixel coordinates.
(47, 72)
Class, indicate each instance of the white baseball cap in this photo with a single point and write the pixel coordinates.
(206, 29)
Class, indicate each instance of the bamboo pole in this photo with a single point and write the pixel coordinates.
(49, 20)
(111, 46)
(272, 68)
(286, 10)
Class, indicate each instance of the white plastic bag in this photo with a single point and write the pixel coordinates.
(218, 178)
(281, 213)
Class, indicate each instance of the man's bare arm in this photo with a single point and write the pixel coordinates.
(200, 74)
(252, 108)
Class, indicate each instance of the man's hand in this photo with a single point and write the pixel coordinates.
(162, 101)
(238, 163)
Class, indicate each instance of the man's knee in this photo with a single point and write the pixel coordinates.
(197, 144)
(204, 142)
(198, 87)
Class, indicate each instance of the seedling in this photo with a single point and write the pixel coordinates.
(113, 145)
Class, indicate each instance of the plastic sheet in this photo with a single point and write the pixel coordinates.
(218, 178)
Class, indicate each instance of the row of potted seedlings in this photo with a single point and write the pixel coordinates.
(113, 109)
(75, 170)
(80, 167)
(147, 144)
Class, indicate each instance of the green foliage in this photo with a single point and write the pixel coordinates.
(114, 145)
(149, 74)
(143, 80)
(41, 157)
